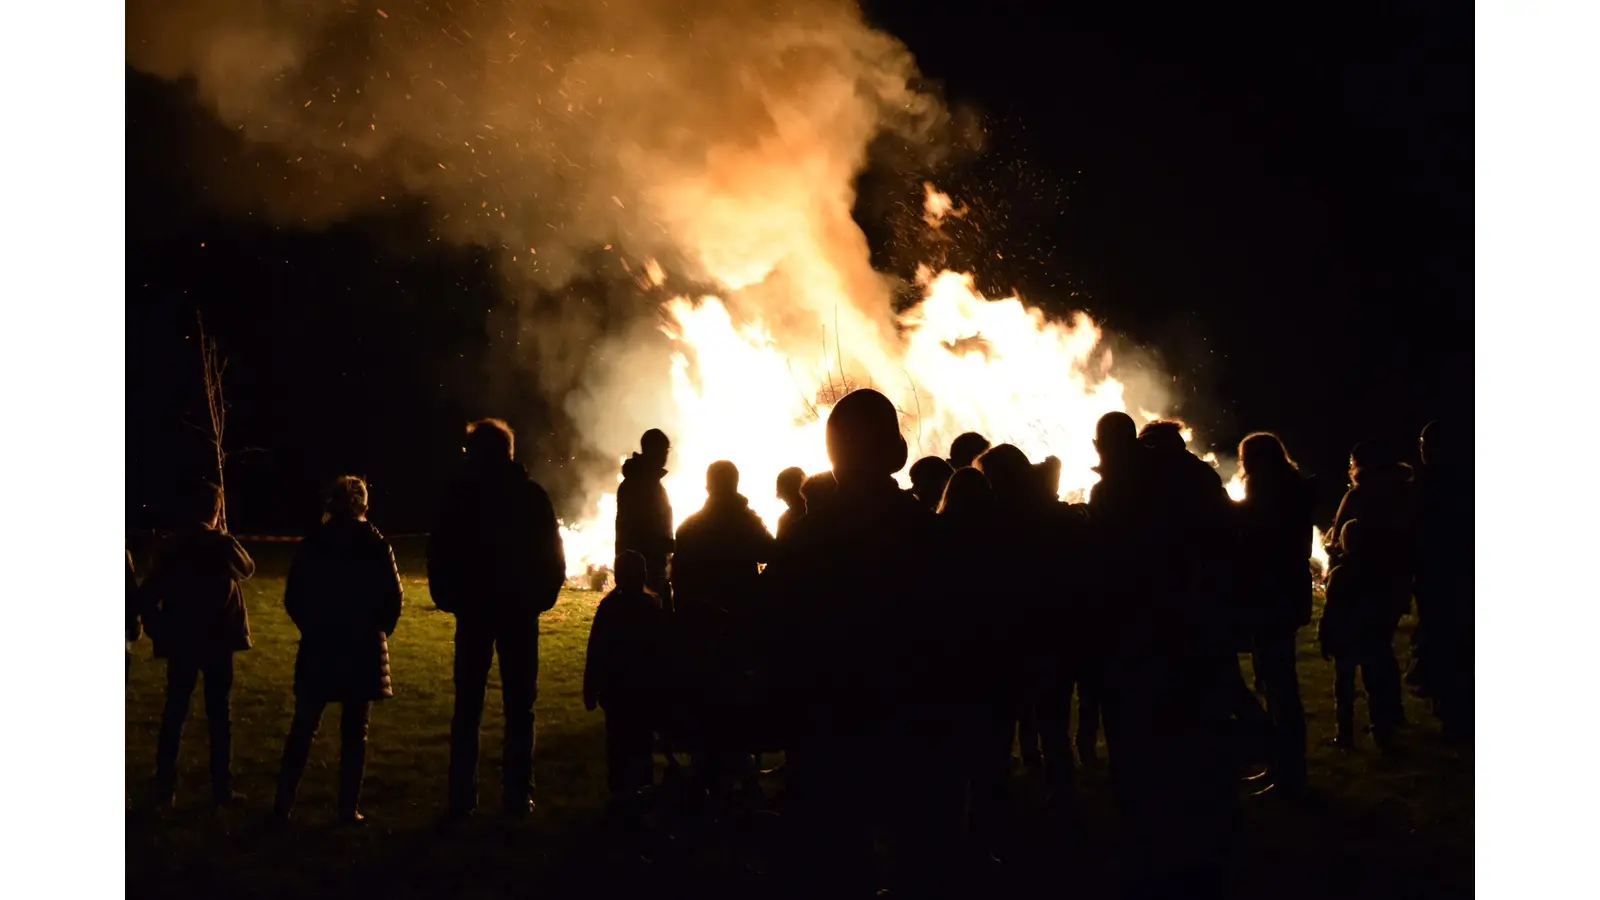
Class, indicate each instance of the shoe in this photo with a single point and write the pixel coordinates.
(1262, 776)
(516, 808)
(229, 800)
(353, 817)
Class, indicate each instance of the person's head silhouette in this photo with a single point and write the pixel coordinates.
(631, 571)
(1010, 474)
(1433, 445)
(346, 498)
(966, 449)
(967, 496)
(1164, 436)
(1049, 472)
(203, 502)
(1350, 538)
(818, 492)
(864, 441)
(789, 481)
(654, 447)
(1115, 437)
(722, 479)
(928, 477)
(1261, 455)
(489, 441)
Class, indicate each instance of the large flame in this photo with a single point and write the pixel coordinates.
(963, 363)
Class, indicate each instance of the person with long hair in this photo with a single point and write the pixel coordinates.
(344, 595)
(1274, 579)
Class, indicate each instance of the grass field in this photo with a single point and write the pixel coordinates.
(1397, 826)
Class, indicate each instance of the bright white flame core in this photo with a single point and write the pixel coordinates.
(963, 363)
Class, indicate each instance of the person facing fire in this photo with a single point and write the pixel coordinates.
(344, 595)
(194, 612)
(1275, 524)
(1366, 596)
(789, 484)
(720, 548)
(928, 478)
(620, 672)
(1444, 586)
(868, 692)
(644, 513)
(966, 449)
(496, 561)
(1166, 702)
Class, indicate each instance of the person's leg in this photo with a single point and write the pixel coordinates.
(219, 723)
(353, 718)
(1275, 664)
(474, 654)
(519, 676)
(1380, 674)
(1090, 690)
(1054, 717)
(181, 677)
(1344, 700)
(296, 750)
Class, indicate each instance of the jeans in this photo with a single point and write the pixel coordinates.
(353, 719)
(182, 674)
(1373, 653)
(1273, 656)
(477, 644)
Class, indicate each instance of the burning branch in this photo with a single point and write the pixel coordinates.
(212, 366)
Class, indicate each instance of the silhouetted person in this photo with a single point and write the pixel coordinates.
(1275, 525)
(1158, 527)
(644, 514)
(1381, 494)
(966, 448)
(928, 478)
(789, 483)
(344, 595)
(1038, 541)
(818, 491)
(496, 561)
(720, 548)
(1048, 471)
(195, 614)
(620, 673)
(877, 689)
(1366, 596)
(968, 514)
(132, 629)
(1443, 644)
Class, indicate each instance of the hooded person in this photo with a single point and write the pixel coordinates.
(644, 513)
(495, 561)
(928, 478)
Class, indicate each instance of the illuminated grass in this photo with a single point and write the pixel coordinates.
(1385, 826)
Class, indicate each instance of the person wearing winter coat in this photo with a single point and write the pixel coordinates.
(1273, 577)
(344, 595)
(495, 561)
(644, 513)
(193, 609)
(621, 675)
(1366, 595)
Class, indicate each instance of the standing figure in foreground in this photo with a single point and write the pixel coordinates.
(878, 689)
(620, 675)
(496, 561)
(1366, 596)
(195, 614)
(644, 513)
(1444, 588)
(1275, 525)
(344, 595)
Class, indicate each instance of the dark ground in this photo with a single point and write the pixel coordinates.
(1382, 826)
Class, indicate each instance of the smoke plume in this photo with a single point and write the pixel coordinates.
(719, 139)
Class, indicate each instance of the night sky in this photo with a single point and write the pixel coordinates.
(1279, 204)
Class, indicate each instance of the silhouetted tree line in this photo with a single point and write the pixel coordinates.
(894, 644)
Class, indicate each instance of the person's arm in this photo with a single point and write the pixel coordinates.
(392, 592)
(762, 540)
(442, 558)
(549, 551)
(239, 561)
(295, 601)
(595, 657)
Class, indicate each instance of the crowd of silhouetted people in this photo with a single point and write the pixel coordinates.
(895, 645)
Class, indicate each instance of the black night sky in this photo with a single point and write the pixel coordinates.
(1277, 202)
